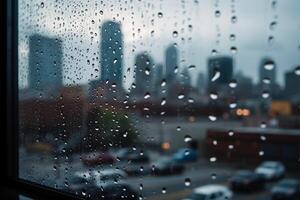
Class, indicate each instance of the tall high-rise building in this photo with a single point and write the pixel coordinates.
(172, 58)
(45, 63)
(220, 72)
(200, 84)
(143, 74)
(111, 52)
(292, 81)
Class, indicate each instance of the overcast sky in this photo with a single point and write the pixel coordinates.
(77, 23)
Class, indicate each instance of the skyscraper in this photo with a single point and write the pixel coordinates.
(200, 84)
(292, 81)
(111, 52)
(45, 63)
(220, 72)
(143, 74)
(171, 62)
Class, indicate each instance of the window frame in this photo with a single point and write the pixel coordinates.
(11, 185)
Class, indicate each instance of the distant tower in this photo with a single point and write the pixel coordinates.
(45, 63)
(171, 62)
(201, 83)
(111, 52)
(185, 78)
(143, 74)
(220, 72)
(292, 81)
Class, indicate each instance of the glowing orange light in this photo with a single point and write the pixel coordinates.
(166, 145)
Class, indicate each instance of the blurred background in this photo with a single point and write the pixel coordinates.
(161, 100)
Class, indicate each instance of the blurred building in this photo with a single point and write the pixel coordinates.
(248, 145)
(143, 76)
(158, 74)
(172, 59)
(45, 64)
(292, 81)
(200, 84)
(267, 78)
(110, 86)
(111, 52)
(220, 73)
(244, 88)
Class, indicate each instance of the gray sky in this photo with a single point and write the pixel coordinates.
(77, 23)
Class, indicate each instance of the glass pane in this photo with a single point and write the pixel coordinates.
(160, 99)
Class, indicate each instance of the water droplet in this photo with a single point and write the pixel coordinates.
(230, 133)
(233, 19)
(147, 95)
(213, 96)
(233, 84)
(175, 34)
(273, 25)
(297, 70)
(164, 190)
(160, 14)
(147, 71)
(263, 138)
(192, 67)
(263, 125)
(141, 186)
(212, 159)
(230, 146)
(213, 176)
(214, 52)
(266, 80)
(180, 96)
(163, 83)
(212, 118)
(233, 50)
(163, 101)
(216, 75)
(187, 182)
(187, 138)
(83, 192)
(269, 65)
(215, 142)
(261, 153)
(232, 37)
(42, 4)
(115, 61)
(232, 105)
(217, 13)
(265, 94)
(178, 128)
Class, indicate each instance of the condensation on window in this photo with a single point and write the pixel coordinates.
(141, 99)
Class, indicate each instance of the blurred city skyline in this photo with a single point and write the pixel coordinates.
(153, 32)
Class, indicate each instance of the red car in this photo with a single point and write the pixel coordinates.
(98, 159)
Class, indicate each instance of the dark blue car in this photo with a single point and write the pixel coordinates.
(186, 155)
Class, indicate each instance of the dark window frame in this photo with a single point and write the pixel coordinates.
(11, 185)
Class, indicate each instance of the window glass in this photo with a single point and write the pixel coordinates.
(164, 99)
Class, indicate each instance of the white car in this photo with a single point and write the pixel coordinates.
(211, 192)
(271, 170)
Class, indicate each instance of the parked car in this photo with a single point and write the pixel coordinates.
(211, 192)
(245, 180)
(271, 170)
(92, 159)
(167, 166)
(286, 189)
(186, 155)
(114, 191)
(135, 156)
(137, 170)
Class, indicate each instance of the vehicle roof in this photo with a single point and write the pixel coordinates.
(208, 189)
(271, 163)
